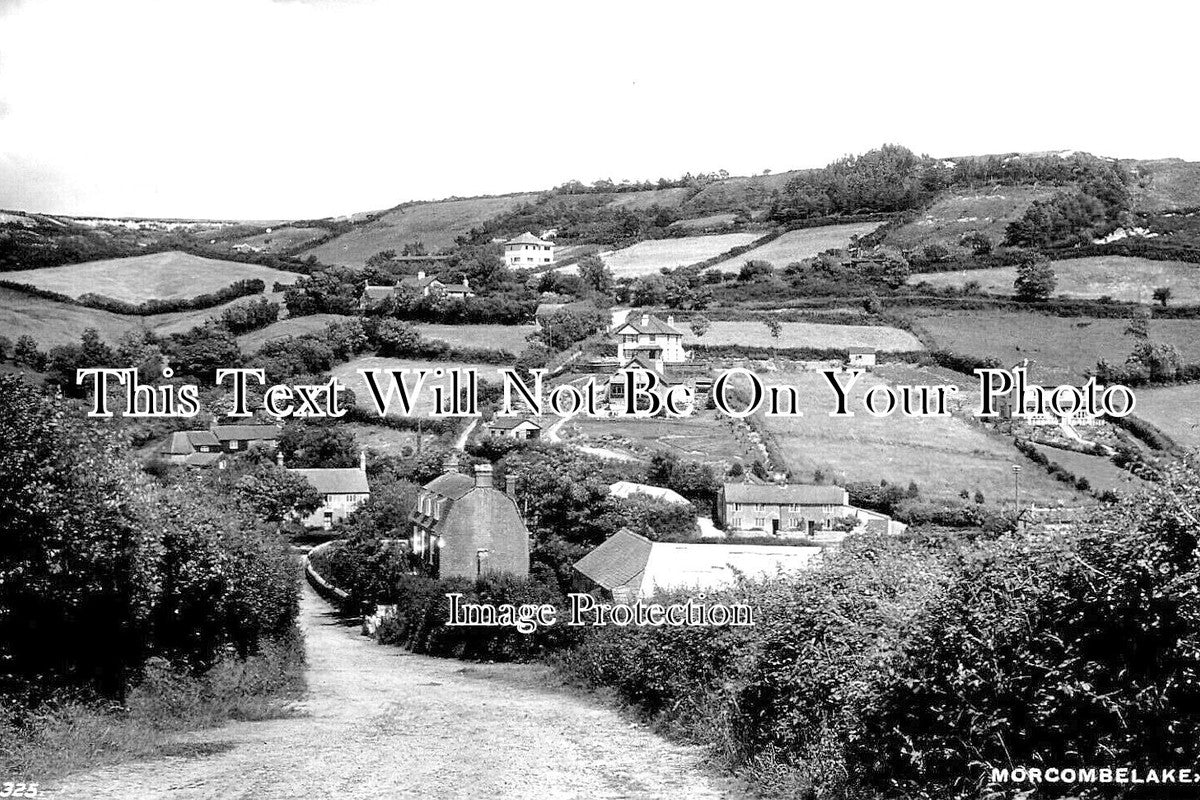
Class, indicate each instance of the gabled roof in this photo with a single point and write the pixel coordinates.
(457, 288)
(452, 485)
(618, 562)
(420, 283)
(348, 480)
(711, 566)
(200, 438)
(508, 423)
(629, 488)
(862, 351)
(177, 445)
(527, 238)
(773, 493)
(652, 325)
(247, 433)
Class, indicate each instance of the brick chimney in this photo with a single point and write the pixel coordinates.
(483, 476)
(450, 464)
(362, 460)
(645, 320)
(466, 284)
(420, 274)
(671, 321)
(510, 485)
(279, 457)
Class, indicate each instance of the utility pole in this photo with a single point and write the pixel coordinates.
(1017, 489)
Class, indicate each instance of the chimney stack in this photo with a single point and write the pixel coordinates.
(645, 320)
(466, 285)
(362, 460)
(510, 485)
(420, 274)
(451, 463)
(279, 457)
(671, 321)
(483, 476)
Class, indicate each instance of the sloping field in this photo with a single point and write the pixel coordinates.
(798, 245)
(804, 334)
(652, 255)
(1101, 473)
(942, 455)
(642, 200)
(1164, 184)
(52, 323)
(1174, 409)
(1061, 348)
(156, 276)
(253, 341)
(732, 193)
(1119, 277)
(956, 213)
(492, 337)
(282, 240)
(435, 225)
(710, 221)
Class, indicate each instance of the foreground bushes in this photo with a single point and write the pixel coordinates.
(913, 668)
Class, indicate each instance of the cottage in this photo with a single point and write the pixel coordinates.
(862, 357)
(191, 448)
(463, 526)
(630, 567)
(242, 437)
(794, 510)
(649, 338)
(528, 250)
(342, 490)
(514, 427)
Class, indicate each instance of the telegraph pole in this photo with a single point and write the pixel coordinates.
(1017, 489)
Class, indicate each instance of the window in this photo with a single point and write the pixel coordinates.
(233, 444)
(759, 507)
(760, 522)
(737, 506)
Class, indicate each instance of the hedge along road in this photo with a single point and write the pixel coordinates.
(380, 722)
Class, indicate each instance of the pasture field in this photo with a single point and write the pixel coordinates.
(1174, 409)
(156, 276)
(1126, 278)
(52, 323)
(799, 244)
(1163, 184)
(645, 258)
(651, 197)
(387, 441)
(492, 337)
(1060, 349)
(753, 333)
(253, 341)
(710, 221)
(436, 225)
(701, 437)
(942, 455)
(1100, 472)
(423, 403)
(956, 213)
(282, 240)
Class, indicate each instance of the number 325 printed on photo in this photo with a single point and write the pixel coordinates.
(10, 789)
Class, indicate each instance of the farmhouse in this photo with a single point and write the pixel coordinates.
(514, 427)
(343, 490)
(463, 526)
(795, 510)
(528, 250)
(862, 357)
(630, 567)
(650, 339)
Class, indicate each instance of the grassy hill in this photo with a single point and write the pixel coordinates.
(962, 211)
(1164, 184)
(436, 225)
(156, 276)
(799, 244)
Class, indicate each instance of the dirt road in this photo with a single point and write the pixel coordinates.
(380, 722)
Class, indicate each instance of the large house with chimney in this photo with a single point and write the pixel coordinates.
(463, 526)
(342, 491)
(795, 510)
(422, 285)
(648, 338)
(527, 251)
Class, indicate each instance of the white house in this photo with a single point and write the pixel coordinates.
(342, 490)
(651, 339)
(514, 427)
(528, 250)
(862, 357)
(795, 510)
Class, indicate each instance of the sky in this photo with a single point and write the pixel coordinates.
(286, 109)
